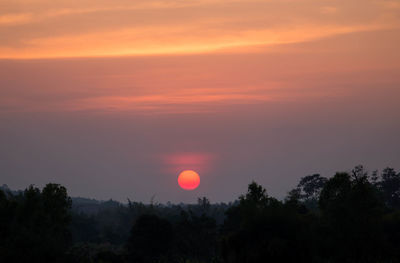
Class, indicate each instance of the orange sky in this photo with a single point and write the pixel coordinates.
(198, 52)
(210, 75)
(64, 28)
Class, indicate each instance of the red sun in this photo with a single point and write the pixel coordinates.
(189, 180)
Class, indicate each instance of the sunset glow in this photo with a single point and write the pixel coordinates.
(49, 29)
(128, 94)
(170, 57)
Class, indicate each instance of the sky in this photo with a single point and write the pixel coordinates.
(113, 99)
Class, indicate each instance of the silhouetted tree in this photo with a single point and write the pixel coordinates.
(195, 238)
(352, 212)
(262, 229)
(308, 190)
(390, 187)
(357, 220)
(150, 240)
(204, 204)
(311, 186)
(37, 225)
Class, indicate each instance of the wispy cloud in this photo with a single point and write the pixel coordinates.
(95, 29)
(171, 40)
(173, 57)
(191, 100)
(15, 19)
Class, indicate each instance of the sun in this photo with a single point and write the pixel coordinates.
(189, 180)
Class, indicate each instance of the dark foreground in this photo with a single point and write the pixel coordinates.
(350, 217)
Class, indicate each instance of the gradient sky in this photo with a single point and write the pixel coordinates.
(114, 98)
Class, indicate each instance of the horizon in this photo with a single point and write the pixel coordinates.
(192, 202)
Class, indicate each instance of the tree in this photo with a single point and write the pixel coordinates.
(204, 204)
(37, 223)
(150, 240)
(262, 229)
(308, 191)
(359, 174)
(351, 215)
(390, 187)
(195, 238)
(311, 186)
(256, 194)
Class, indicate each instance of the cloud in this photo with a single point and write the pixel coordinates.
(172, 40)
(208, 83)
(191, 101)
(15, 19)
(95, 29)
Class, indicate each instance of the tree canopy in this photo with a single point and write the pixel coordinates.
(350, 217)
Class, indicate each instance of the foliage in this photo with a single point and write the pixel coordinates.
(34, 224)
(350, 217)
(390, 187)
(150, 240)
(308, 190)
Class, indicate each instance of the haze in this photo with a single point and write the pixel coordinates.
(113, 99)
